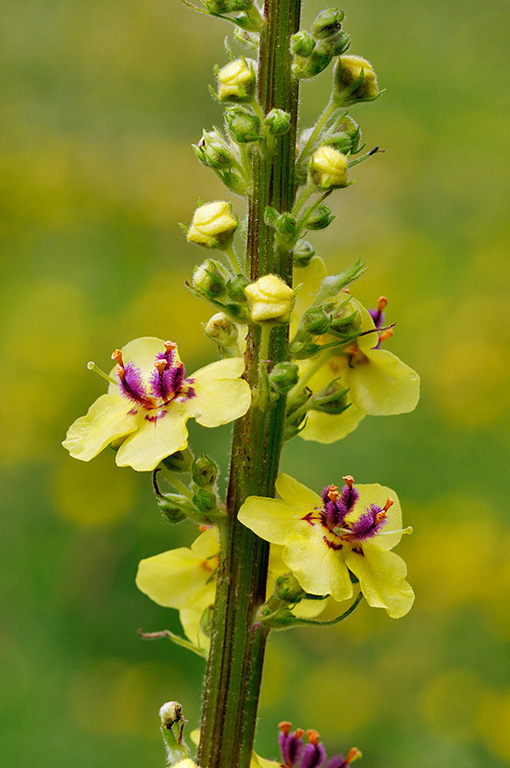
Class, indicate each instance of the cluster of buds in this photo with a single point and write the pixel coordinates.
(296, 754)
(203, 504)
(314, 50)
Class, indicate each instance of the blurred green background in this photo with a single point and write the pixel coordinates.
(102, 100)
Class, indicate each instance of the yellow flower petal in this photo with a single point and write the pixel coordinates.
(155, 439)
(382, 580)
(142, 353)
(382, 385)
(190, 617)
(319, 569)
(107, 419)
(270, 519)
(296, 494)
(328, 427)
(221, 395)
(373, 493)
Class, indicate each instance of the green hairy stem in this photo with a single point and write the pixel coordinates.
(235, 662)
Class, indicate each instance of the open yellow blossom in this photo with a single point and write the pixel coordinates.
(149, 401)
(325, 538)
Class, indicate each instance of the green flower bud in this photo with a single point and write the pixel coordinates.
(330, 400)
(227, 6)
(302, 350)
(210, 278)
(288, 589)
(341, 142)
(213, 151)
(350, 127)
(315, 321)
(328, 168)
(283, 377)
(320, 218)
(180, 461)
(243, 124)
(235, 288)
(303, 252)
(345, 319)
(305, 67)
(333, 284)
(277, 122)
(236, 81)
(354, 80)
(173, 506)
(205, 501)
(204, 471)
(340, 43)
(327, 23)
(213, 225)
(302, 43)
(224, 333)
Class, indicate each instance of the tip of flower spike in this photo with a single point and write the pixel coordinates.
(382, 303)
(313, 736)
(348, 480)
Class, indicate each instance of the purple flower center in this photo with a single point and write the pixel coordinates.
(336, 506)
(167, 382)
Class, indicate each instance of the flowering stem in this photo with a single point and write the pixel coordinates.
(238, 641)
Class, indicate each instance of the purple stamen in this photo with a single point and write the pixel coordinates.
(338, 761)
(291, 747)
(367, 524)
(348, 499)
(313, 756)
(166, 382)
(131, 385)
(377, 316)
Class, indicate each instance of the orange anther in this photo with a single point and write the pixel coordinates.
(380, 516)
(386, 334)
(170, 345)
(389, 503)
(348, 480)
(160, 365)
(313, 737)
(117, 356)
(119, 369)
(333, 493)
(382, 303)
(298, 733)
(285, 726)
(353, 753)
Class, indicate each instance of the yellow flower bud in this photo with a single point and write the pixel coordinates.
(185, 764)
(270, 299)
(236, 81)
(349, 71)
(329, 168)
(213, 224)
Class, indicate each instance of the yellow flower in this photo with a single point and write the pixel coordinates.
(378, 382)
(212, 225)
(185, 579)
(271, 300)
(325, 538)
(149, 401)
(328, 168)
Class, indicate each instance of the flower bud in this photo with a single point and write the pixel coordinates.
(315, 321)
(271, 300)
(303, 252)
(205, 501)
(320, 218)
(213, 225)
(302, 43)
(327, 23)
(213, 151)
(328, 168)
(206, 620)
(243, 124)
(283, 377)
(227, 6)
(277, 122)
(354, 80)
(330, 400)
(204, 471)
(315, 63)
(288, 588)
(345, 318)
(236, 81)
(210, 278)
(235, 288)
(348, 126)
(174, 507)
(224, 333)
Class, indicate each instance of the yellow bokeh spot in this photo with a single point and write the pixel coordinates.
(93, 494)
(494, 723)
